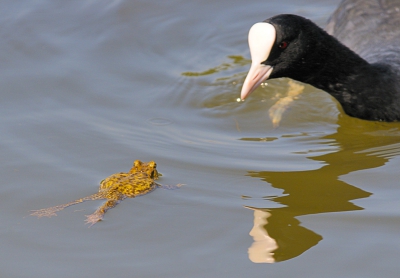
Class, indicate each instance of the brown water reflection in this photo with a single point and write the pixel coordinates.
(236, 61)
(277, 233)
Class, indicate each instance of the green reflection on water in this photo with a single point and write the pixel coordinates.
(235, 61)
(277, 233)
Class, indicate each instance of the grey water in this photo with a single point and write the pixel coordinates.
(87, 87)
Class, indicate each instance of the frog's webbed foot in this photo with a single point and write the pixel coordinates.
(94, 218)
(99, 213)
(48, 212)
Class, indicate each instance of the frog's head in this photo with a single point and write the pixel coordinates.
(137, 167)
(151, 170)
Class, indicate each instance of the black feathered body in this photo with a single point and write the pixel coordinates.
(367, 83)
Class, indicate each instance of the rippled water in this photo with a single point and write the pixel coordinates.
(87, 87)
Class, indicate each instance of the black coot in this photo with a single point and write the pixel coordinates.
(357, 60)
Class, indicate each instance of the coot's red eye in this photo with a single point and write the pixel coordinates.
(283, 45)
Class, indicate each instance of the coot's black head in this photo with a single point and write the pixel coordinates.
(281, 46)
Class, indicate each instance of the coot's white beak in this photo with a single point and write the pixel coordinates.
(261, 39)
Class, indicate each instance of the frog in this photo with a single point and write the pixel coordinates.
(138, 181)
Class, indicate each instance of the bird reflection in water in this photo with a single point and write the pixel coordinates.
(278, 237)
(263, 247)
(359, 145)
(276, 111)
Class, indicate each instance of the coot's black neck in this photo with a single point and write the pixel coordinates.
(366, 91)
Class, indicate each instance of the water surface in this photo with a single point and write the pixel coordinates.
(87, 87)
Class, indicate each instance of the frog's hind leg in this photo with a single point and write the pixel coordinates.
(49, 212)
(99, 213)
